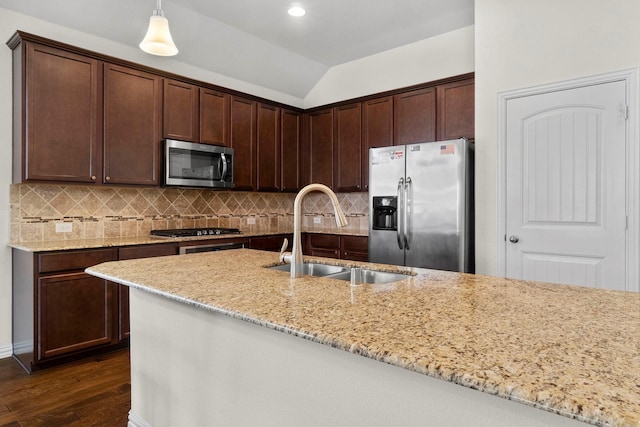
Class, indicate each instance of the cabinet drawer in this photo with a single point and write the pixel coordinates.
(324, 241)
(74, 260)
(148, 251)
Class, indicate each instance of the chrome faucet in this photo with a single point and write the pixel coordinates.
(295, 257)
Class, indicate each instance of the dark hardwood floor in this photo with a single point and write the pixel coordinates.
(92, 392)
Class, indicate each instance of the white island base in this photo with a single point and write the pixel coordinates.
(193, 367)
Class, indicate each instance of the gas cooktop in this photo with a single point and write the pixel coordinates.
(193, 232)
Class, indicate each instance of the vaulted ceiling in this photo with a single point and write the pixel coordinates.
(256, 40)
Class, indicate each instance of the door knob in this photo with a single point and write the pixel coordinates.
(514, 239)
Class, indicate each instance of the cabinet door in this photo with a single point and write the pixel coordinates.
(132, 117)
(181, 110)
(62, 120)
(456, 109)
(377, 130)
(76, 312)
(290, 154)
(354, 248)
(323, 245)
(347, 162)
(243, 142)
(268, 147)
(321, 147)
(214, 117)
(415, 116)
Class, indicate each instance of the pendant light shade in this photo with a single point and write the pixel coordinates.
(158, 39)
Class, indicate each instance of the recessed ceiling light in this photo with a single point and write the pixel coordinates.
(296, 11)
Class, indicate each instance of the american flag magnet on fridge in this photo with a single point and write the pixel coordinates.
(447, 149)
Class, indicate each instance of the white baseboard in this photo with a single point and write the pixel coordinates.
(6, 351)
(136, 421)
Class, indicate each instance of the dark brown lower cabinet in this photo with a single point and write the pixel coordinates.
(353, 248)
(271, 243)
(76, 312)
(60, 313)
(323, 245)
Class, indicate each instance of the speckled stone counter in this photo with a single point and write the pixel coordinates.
(63, 245)
(569, 350)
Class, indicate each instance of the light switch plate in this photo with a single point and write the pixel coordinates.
(251, 220)
(317, 219)
(64, 227)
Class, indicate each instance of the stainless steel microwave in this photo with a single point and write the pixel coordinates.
(187, 164)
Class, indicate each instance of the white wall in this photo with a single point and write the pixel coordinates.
(520, 43)
(431, 59)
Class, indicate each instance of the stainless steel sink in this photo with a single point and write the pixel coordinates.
(362, 275)
(369, 276)
(314, 269)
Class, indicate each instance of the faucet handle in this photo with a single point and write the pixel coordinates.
(283, 249)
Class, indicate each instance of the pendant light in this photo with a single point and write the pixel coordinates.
(158, 39)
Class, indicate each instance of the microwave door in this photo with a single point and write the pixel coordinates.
(197, 165)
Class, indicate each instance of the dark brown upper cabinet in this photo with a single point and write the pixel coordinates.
(243, 142)
(81, 116)
(320, 164)
(347, 163)
(197, 114)
(415, 116)
(456, 110)
(268, 148)
(132, 126)
(377, 130)
(215, 109)
(181, 111)
(290, 131)
(57, 99)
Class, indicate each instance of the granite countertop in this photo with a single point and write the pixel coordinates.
(570, 350)
(63, 245)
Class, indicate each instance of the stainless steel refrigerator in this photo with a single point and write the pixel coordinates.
(421, 205)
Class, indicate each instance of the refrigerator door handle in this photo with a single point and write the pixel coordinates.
(408, 213)
(400, 213)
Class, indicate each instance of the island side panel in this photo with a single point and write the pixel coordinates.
(191, 366)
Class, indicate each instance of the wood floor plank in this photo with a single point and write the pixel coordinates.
(93, 392)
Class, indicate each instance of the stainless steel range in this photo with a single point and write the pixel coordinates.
(209, 246)
(194, 232)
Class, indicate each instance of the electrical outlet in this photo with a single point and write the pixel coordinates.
(64, 227)
(317, 219)
(251, 220)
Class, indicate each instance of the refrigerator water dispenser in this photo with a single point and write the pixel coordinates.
(385, 215)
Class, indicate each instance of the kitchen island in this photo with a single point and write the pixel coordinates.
(217, 339)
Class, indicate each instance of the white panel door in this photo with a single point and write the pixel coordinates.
(565, 189)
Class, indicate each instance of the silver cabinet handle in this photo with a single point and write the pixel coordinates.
(514, 239)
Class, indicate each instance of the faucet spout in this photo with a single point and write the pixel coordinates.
(295, 258)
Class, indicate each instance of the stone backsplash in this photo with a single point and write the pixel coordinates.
(104, 212)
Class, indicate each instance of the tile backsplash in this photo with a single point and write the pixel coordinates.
(103, 212)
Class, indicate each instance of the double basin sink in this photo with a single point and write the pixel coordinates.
(354, 275)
